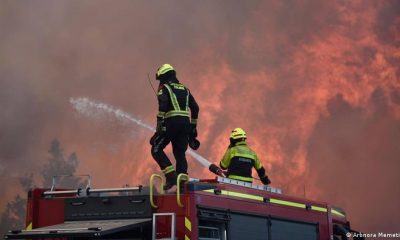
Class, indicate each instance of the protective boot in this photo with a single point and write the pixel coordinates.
(170, 180)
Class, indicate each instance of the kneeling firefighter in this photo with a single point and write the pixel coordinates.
(239, 159)
(174, 124)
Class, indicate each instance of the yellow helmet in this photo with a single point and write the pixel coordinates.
(238, 133)
(164, 69)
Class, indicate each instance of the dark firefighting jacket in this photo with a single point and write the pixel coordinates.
(175, 100)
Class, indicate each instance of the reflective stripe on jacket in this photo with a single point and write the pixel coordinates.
(175, 100)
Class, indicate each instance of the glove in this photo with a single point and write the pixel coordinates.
(220, 173)
(265, 180)
(194, 143)
(216, 170)
(193, 130)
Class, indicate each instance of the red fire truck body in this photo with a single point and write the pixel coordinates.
(219, 208)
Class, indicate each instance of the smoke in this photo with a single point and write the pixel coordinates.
(354, 154)
(293, 74)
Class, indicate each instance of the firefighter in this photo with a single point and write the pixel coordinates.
(239, 159)
(173, 124)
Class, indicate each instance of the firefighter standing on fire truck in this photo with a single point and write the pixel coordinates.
(239, 159)
(173, 124)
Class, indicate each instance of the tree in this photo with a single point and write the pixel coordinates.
(13, 217)
(57, 165)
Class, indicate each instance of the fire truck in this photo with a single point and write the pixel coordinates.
(204, 209)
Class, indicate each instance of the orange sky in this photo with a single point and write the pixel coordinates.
(315, 84)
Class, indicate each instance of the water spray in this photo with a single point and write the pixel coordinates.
(91, 108)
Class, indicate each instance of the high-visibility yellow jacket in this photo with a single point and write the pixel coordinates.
(239, 160)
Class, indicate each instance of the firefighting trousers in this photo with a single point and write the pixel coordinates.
(177, 132)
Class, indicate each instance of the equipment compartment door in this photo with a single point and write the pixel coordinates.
(291, 230)
(248, 227)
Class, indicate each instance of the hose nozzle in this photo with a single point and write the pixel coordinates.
(216, 170)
